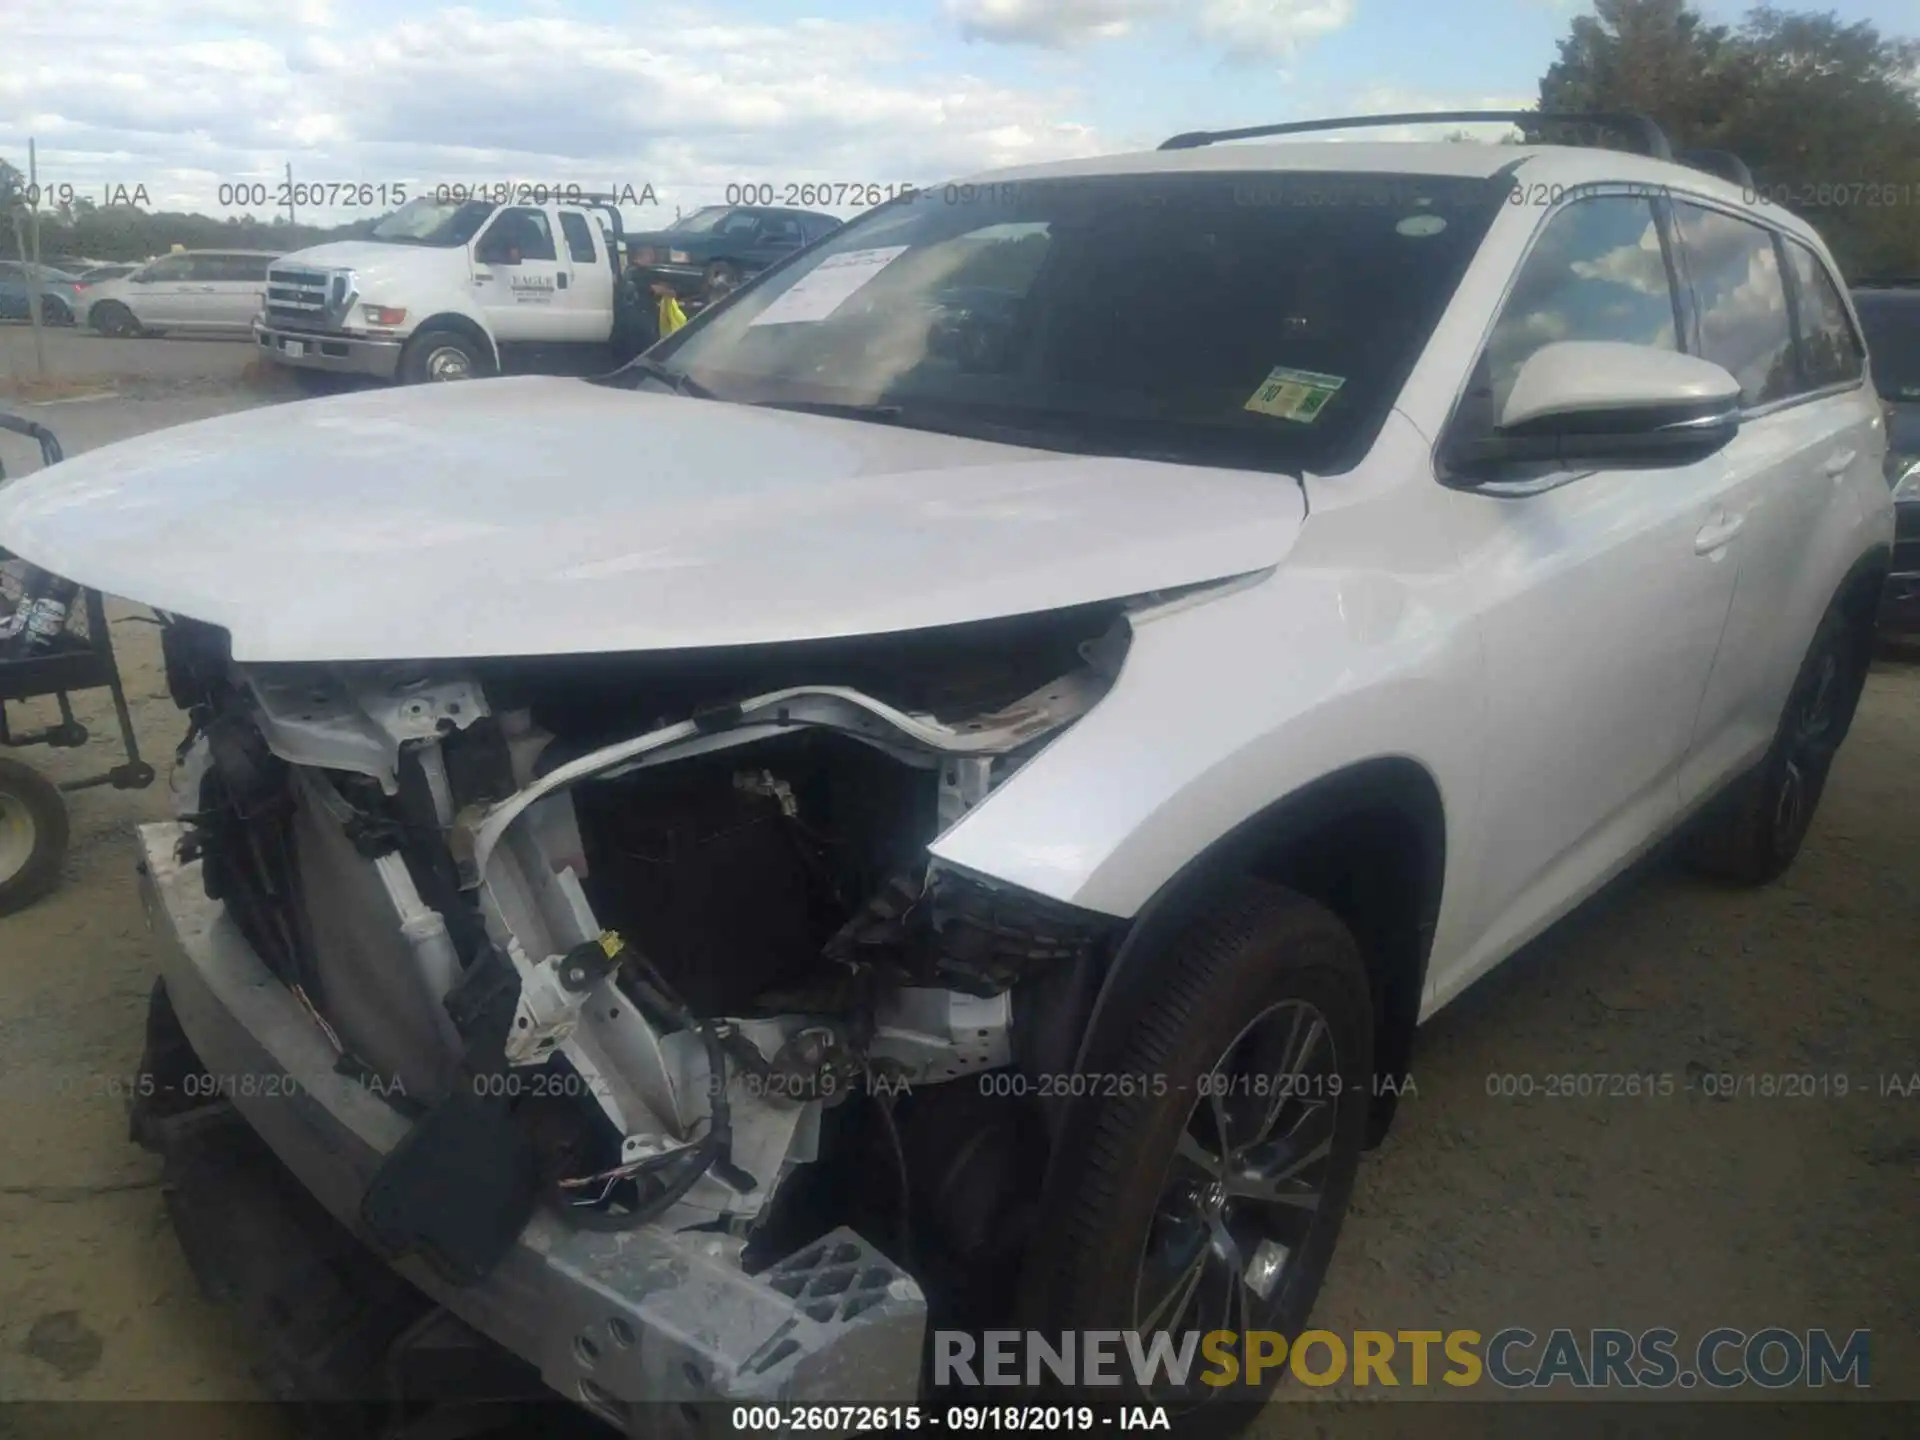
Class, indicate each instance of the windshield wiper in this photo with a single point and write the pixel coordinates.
(678, 381)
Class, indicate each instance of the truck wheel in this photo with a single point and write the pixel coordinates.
(112, 318)
(1753, 832)
(33, 836)
(1207, 1194)
(437, 355)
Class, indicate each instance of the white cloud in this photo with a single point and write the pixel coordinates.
(182, 95)
(1240, 27)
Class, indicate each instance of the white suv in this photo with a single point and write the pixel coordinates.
(1030, 703)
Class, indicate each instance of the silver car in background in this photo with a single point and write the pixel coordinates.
(210, 292)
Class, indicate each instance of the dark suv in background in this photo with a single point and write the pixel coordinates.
(1890, 312)
(713, 249)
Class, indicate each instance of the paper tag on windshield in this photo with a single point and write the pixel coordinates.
(1294, 394)
(826, 287)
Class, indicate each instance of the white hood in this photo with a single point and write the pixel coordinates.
(378, 265)
(547, 516)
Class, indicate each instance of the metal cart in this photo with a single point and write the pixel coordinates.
(33, 816)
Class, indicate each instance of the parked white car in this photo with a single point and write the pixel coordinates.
(961, 771)
(207, 292)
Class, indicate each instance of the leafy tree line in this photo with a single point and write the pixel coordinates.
(1825, 114)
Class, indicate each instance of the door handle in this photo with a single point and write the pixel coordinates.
(561, 279)
(481, 279)
(1837, 463)
(1714, 535)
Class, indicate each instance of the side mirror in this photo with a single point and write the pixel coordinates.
(1601, 402)
(139, 277)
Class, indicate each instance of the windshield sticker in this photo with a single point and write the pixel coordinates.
(1294, 394)
(828, 286)
(1417, 225)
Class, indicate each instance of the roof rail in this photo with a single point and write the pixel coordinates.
(1724, 163)
(1650, 137)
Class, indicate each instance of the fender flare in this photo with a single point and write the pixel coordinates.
(1395, 786)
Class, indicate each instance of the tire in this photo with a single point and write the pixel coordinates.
(110, 317)
(54, 311)
(1260, 968)
(721, 277)
(33, 836)
(435, 356)
(1752, 833)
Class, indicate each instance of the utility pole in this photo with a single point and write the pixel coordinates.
(33, 260)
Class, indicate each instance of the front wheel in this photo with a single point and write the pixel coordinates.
(434, 356)
(54, 311)
(33, 835)
(1209, 1195)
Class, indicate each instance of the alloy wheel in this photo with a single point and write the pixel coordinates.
(1810, 749)
(449, 362)
(1247, 1180)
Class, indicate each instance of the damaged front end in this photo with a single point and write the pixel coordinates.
(654, 946)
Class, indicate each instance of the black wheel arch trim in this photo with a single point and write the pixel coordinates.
(1397, 789)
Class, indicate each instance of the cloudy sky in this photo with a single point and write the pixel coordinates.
(181, 96)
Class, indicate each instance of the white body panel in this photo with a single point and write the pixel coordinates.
(530, 516)
(1575, 669)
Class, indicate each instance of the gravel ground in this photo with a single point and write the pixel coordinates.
(1480, 1212)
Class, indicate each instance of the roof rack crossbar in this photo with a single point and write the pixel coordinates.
(1724, 163)
(1649, 136)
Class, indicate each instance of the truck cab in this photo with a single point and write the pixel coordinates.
(444, 289)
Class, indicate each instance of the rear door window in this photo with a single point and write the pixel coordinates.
(1741, 301)
(579, 237)
(1830, 352)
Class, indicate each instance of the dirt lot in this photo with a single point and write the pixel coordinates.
(1480, 1211)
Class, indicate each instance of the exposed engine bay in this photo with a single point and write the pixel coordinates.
(657, 938)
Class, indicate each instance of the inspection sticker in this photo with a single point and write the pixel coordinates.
(1294, 394)
(828, 286)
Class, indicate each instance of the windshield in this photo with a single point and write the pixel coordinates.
(433, 222)
(1892, 324)
(1264, 321)
(700, 221)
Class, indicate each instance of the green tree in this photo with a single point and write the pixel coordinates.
(1826, 114)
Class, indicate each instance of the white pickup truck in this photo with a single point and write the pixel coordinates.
(442, 289)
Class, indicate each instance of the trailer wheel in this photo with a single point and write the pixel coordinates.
(33, 835)
(436, 355)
